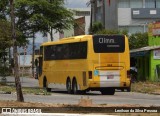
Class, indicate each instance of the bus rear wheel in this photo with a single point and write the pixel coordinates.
(68, 86)
(129, 89)
(109, 91)
(74, 87)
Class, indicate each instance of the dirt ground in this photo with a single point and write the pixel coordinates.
(83, 107)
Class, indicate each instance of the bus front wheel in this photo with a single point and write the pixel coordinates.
(74, 87)
(45, 85)
(68, 86)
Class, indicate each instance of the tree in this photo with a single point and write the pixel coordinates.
(42, 15)
(33, 16)
(138, 40)
(6, 43)
(3, 8)
(96, 27)
(5, 35)
(90, 3)
(63, 17)
(105, 31)
(16, 71)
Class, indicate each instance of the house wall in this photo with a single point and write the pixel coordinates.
(153, 69)
(79, 28)
(143, 68)
(111, 17)
(154, 40)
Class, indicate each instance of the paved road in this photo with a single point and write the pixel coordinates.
(61, 97)
(25, 81)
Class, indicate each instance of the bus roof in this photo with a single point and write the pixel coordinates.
(68, 40)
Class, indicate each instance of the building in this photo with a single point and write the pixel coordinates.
(148, 58)
(134, 16)
(131, 15)
(82, 19)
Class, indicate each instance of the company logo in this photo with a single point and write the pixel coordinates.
(106, 40)
(19, 110)
(6, 110)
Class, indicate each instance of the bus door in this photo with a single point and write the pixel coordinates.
(40, 65)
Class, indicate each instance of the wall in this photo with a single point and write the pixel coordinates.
(79, 28)
(124, 16)
(154, 40)
(118, 15)
(153, 70)
(111, 14)
(24, 62)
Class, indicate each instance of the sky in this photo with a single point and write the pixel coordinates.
(76, 3)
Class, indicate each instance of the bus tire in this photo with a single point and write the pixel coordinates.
(48, 89)
(45, 85)
(128, 89)
(83, 92)
(69, 86)
(109, 91)
(74, 87)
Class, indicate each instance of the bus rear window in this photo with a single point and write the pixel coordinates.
(109, 43)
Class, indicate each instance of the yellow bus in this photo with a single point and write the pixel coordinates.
(86, 63)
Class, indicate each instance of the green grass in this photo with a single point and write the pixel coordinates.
(36, 91)
(25, 90)
(146, 87)
(142, 87)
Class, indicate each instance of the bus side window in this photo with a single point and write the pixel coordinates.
(53, 52)
(50, 53)
(65, 51)
(59, 52)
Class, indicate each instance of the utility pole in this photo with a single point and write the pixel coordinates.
(91, 3)
(16, 69)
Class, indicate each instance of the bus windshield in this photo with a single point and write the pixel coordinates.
(109, 43)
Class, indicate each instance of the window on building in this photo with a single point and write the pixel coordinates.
(123, 4)
(82, 13)
(99, 3)
(136, 3)
(133, 29)
(158, 4)
(99, 14)
(150, 3)
(136, 29)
